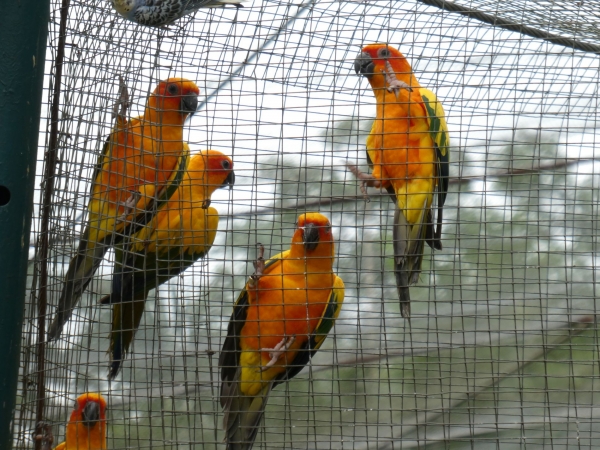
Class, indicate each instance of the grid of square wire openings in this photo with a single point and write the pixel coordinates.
(502, 347)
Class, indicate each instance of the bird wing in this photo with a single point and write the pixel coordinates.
(316, 339)
(439, 133)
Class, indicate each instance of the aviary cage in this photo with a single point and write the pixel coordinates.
(502, 349)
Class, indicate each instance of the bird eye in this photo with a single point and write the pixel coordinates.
(225, 164)
(383, 53)
(172, 89)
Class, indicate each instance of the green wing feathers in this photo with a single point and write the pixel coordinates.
(330, 313)
(439, 133)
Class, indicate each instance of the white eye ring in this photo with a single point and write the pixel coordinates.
(384, 53)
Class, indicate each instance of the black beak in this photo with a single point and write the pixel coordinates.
(363, 65)
(310, 236)
(230, 180)
(90, 414)
(189, 103)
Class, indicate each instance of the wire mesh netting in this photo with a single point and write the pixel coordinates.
(501, 350)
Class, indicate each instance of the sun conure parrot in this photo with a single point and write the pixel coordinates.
(156, 13)
(182, 231)
(408, 152)
(279, 321)
(86, 429)
(142, 163)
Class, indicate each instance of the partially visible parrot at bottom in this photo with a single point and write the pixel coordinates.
(182, 232)
(86, 429)
(279, 321)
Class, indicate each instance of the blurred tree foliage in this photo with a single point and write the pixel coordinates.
(502, 346)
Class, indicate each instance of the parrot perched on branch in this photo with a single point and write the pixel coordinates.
(408, 152)
(86, 429)
(182, 231)
(142, 163)
(279, 321)
(156, 13)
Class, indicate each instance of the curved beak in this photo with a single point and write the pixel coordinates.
(230, 180)
(310, 236)
(189, 103)
(364, 65)
(90, 414)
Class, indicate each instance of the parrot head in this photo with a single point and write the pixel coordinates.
(384, 66)
(176, 95)
(312, 229)
(210, 170)
(90, 410)
(124, 7)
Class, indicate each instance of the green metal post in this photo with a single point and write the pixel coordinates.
(22, 56)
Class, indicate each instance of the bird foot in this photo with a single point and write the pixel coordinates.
(394, 84)
(366, 180)
(129, 205)
(43, 433)
(259, 266)
(205, 204)
(277, 351)
(122, 104)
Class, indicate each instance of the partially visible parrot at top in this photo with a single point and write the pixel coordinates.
(182, 231)
(141, 165)
(408, 152)
(86, 429)
(156, 13)
(279, 321)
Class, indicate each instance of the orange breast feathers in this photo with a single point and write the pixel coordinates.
(290, 297)
(399, 146)
(146, 149)
(184, 220)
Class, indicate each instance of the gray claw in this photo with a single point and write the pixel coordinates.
(394, 84)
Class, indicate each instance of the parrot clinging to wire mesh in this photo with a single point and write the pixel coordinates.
(182, 231)
(141, 165)
(86, 429)
(156, 13)
(279, 321)
(408, 152)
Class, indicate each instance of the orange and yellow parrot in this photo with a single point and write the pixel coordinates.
(408, 152)
(86, 429)
(279, 321)
(141, 165)
(182, 231)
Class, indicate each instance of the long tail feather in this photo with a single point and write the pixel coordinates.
(81, 271)
(400, 236)
(126, 320)
(242, 415)
(409, 242)
(129, 301)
